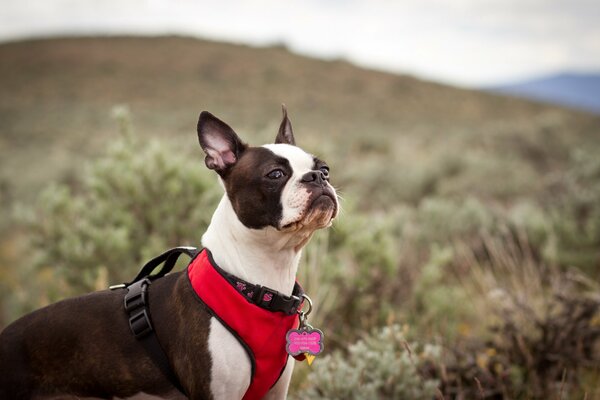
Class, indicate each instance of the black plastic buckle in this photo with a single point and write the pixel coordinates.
(264, 296)
(136, 297)
(274, 301)
(140, 324)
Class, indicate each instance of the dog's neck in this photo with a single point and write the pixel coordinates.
(267, 257)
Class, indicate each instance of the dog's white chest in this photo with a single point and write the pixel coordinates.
(231, 368)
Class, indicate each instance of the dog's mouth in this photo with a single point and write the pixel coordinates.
(320, 213)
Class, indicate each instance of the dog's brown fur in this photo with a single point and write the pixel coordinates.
(83, 347)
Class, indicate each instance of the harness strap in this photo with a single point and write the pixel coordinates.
(264, 297)
(140, 322)
(138, 311)
(169, 258)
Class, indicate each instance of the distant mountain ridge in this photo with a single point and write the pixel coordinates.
(575, 90)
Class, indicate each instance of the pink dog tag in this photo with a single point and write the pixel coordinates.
(304, 340)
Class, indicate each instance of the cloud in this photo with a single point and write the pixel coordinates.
(467, 42)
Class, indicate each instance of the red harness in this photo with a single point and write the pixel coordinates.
(260, 331)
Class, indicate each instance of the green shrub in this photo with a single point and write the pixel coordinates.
(575, 215)
(436, 295)
(444, 220)
(351, 272)
(381, 366)
(563, 226)
(126, 207)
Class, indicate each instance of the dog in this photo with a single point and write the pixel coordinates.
(276, 196)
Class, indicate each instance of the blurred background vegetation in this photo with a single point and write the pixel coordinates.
(465, 263)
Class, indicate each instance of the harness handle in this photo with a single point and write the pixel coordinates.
(168, 259)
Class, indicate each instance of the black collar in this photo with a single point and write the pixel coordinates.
(262, 296)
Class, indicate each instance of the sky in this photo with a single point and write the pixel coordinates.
(470, 43)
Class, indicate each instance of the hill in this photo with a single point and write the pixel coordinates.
(579, 91)
(57, 97)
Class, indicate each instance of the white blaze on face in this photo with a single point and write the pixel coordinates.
(294, 198)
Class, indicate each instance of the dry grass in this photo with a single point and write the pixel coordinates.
(542, 324)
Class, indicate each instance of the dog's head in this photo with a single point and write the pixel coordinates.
(276, 185)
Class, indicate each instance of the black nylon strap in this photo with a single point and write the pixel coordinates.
(140, 323)
(137, 308)
(169, 258)
(262, 296)
(272, 300)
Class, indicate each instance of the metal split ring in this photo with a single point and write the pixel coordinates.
(310, 306)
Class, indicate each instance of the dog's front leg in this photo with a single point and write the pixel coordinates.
(230, 368)
(280, 389)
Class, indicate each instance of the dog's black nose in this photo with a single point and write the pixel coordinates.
(316, 177)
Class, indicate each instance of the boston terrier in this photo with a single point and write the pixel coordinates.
(221, 323)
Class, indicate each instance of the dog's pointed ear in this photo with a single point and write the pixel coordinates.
(221, 144)
(285, 134)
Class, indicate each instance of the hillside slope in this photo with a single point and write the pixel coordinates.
(57, 97)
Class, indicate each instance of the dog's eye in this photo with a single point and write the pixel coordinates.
(325, 170)
(275, 174)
